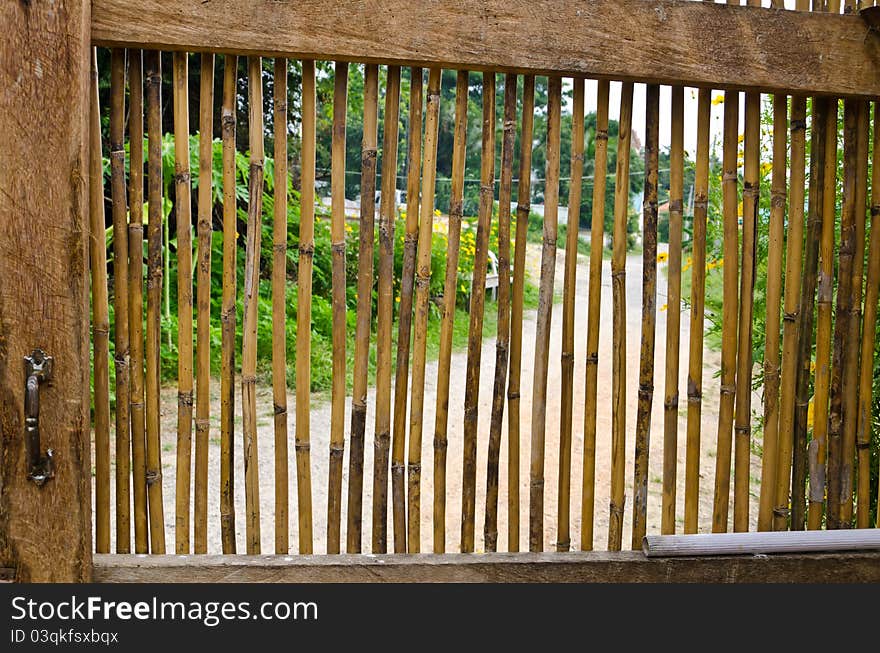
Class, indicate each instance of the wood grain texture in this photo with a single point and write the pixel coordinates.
(703, 44)
(44, 59)
(584, 567)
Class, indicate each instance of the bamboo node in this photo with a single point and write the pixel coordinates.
(671, 403)
(789, 316)
(410, 239)
(279, 248)
(301, 446)
(440, 444)
(202, 424)
(279, 410)
(414, 468)
(101, 331)
(578, 157)
(701, 203)
(567, 356)
(593, 359)
(728, 389)
(184, 398)
(227, 120)
(248, 379)
(338, 248)
(618, 274)
(182, 177)
(306, 249)
(509, 125)
(153, 476)
(750, 191)
(676, 206)
(602, 135)
(523, 210)
(646, 390)
(511, 396)
(781, 511)
(537, 483)
(369, 153)
(742, 429)
(565, 545)
(875, 210)
(777, 199)
(487, 189)
(798, 125)
(337, 448)
(729, 176)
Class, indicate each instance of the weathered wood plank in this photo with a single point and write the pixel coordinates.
(575, 567)
(703, 44)
(45, 532)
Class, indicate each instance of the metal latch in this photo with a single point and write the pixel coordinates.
(37, 370)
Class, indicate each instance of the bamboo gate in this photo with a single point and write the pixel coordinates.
(818, 405)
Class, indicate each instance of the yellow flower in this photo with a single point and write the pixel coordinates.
(766, 167)
(663, 308)
(718, 99)
(740, 138)
(810, 414)
(662, 256)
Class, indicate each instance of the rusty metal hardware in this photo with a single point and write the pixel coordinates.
(37, 370)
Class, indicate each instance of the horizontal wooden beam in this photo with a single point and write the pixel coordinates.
(658, 41)
(589, 567)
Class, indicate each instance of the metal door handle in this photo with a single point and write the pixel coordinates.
(37, 370)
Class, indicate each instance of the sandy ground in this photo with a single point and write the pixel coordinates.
(320, 428)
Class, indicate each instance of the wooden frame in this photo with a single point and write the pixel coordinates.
(703, 44)
(580, 567)
(45, 532)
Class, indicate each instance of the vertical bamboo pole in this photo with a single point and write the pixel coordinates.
(227, 310)
(851, 360)
(279, 307)
(597, 247)
(502, 341)
(698, 305)
(120, 300)
(769, 460)
(819, 445)
(203, 303)
(385, 313)
(249, 312)
(649, 317)
(849, 293)
(337, 239)
(405, 313)
(823, 146)
(673, 314)
(441, 420)
(364, 308)
(136, 296)
(183, 215)
(866, 398)
(304, 309)
(794, 256)
(154, 298)
(563, 541)
(516, 312)
(475, 330)
(100, 323)
(729, 184)
(422, 283)
(618, 286)
(840, 363)
(743, 411)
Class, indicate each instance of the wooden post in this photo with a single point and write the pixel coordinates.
(44, 294)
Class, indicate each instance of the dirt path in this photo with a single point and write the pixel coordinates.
(320, 427)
